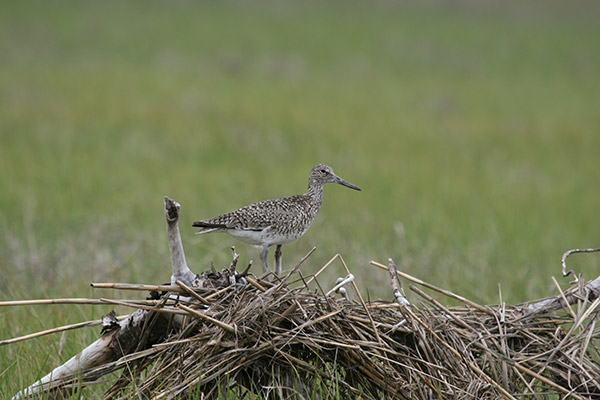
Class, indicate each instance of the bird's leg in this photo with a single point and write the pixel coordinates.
(264, 252)
(278, 260)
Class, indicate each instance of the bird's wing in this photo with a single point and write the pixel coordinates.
(257, 216)
(208, 227)
(242, 219)
(254, 217)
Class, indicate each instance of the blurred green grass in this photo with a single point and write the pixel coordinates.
(472, 128)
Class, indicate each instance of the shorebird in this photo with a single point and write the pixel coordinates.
(277, 221)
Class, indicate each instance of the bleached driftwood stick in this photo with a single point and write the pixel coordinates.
(396, 284)
(181, 270)
(122, 338)
(109, 347)
(564, 261)
(590, 290)
(340, 282)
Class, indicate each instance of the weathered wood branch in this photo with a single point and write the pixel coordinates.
(181, 270)
(111, 346)
(589, 291)
(564, 261)
(122, 338)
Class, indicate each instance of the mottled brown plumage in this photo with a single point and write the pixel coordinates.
(277, 221)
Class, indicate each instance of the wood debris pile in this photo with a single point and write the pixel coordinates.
(232, 335)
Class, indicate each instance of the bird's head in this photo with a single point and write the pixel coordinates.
(322, 174)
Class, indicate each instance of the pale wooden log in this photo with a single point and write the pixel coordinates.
(181, 270)
(123, 337)
(108, 347)
(590, 290)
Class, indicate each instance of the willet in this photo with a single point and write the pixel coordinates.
(277, 221)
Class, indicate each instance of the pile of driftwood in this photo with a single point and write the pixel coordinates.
(228, 334)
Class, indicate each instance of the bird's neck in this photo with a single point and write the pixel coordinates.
(315, 191)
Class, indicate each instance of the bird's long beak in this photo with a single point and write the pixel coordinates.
(346, 183)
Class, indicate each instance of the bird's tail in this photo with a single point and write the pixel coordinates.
(207, 227)
(206, 231)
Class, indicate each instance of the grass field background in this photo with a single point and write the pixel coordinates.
(473, 129)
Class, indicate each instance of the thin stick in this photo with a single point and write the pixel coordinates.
(80, 301)
(323, 268)
(143, 307)
(306, 256)
(437, 289)
(246, 270)
(398, 295)
(285, 314)
(56, 330)
(441, 307)
(317, 320)
(564, 298)
(361, 300)
(218, 292)
(191, 292)
(342, 282)
(566, 254)
(234, 261)
(135, 286)
(49, 301)
(293, 270)
(542, 378)
(256, 284)
(222, 325)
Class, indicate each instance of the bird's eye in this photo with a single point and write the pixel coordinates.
(323, 171)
